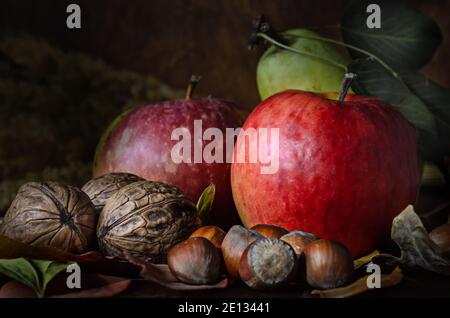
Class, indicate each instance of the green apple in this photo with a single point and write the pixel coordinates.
(280, 69)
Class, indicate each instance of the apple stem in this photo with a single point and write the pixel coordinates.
(261, 25)
(346, 83)
(193, 81)
(354, 48)
(371, 56)
(312, 55)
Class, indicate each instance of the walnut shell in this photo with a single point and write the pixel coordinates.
(53, 215)
(100, 189)
(145, 219)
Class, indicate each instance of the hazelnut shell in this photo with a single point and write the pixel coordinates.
(268, 263)
(195, 261)
(329, 264)
(298, 240)
(268, 230)
(212, 233)
(234, 245)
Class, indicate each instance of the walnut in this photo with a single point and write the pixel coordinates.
(53, 215)
(145, 219)
(101, 188)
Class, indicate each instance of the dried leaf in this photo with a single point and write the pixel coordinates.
(205, 202)
(360, 262)
(113, 287)
(161, 275)
(95, 262)
(417, 249)
(360, 286)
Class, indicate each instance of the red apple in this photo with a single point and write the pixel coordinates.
(346, 169)
(139, 142)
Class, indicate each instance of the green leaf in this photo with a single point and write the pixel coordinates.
(35, 274)
(374, 80)
(205, 202)
(407, 38)
(48, 270)
(437, 99)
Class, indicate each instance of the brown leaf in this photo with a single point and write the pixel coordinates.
(113, 287)
(161, 275)
(364, 260)
(360, 286)
(96, 262)
(417, 249)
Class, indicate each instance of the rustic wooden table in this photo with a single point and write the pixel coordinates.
(418, 284)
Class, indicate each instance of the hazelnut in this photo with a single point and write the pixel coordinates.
(441, 237)
(195, 261)
(268, 230)
(234, 245)
(212, 233)
(298, 240)
(329, 264)
(267, 264)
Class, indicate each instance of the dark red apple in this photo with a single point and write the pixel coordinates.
(346, 169)
(139, 142)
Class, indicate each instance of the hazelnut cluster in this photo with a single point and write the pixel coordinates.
(264, 257)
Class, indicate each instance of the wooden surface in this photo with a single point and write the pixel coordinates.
(418, 284)
(172, 39)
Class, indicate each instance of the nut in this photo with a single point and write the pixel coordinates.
(298, 240)
(268, 230)
(145, 219)
(51, 214)
(100, 189)
(212, 233)
(267, 264)
(441, 237)
(329, 264)
(195, 261)
(234, 245)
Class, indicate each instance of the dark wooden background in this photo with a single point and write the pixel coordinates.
(173, 38)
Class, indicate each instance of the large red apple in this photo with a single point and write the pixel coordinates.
(346, 169)
(140, 142)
